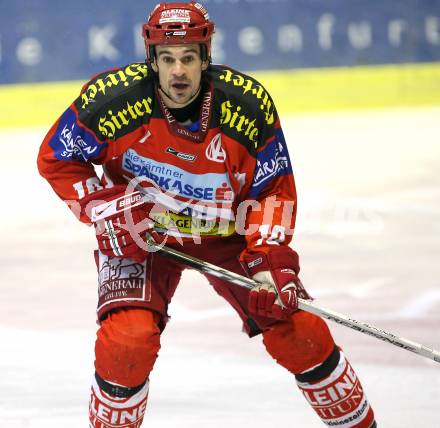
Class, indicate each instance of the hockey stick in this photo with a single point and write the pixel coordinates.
(305, 305)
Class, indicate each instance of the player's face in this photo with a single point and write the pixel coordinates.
(180, 70)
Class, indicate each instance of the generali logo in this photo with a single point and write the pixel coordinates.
(215, 151)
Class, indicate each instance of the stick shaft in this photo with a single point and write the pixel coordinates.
(305, 305)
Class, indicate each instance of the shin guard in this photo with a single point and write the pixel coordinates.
(124, 410)
(335, 393)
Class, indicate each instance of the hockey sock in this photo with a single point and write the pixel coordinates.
(335, 393)
(114, 406)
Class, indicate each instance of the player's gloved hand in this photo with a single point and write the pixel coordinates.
(277, 271)
(121, 220)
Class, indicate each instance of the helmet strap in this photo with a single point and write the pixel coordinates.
(203, 52)
(151, 53)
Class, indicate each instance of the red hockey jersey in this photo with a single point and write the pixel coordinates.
(228, 173)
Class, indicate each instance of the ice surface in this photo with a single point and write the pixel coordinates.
(368, 235)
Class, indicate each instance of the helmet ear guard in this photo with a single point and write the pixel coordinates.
(178, 23)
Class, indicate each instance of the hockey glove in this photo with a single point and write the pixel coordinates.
(121, 220)
(277, 271)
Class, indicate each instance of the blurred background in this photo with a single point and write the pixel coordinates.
(357, 85)
(338, 54)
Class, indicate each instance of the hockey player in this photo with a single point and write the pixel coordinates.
(205, 143)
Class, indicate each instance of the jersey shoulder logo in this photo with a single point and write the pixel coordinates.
(109, 83)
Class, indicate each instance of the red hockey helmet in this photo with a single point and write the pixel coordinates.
(178, 23)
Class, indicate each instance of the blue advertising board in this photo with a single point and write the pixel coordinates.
(45, 40)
